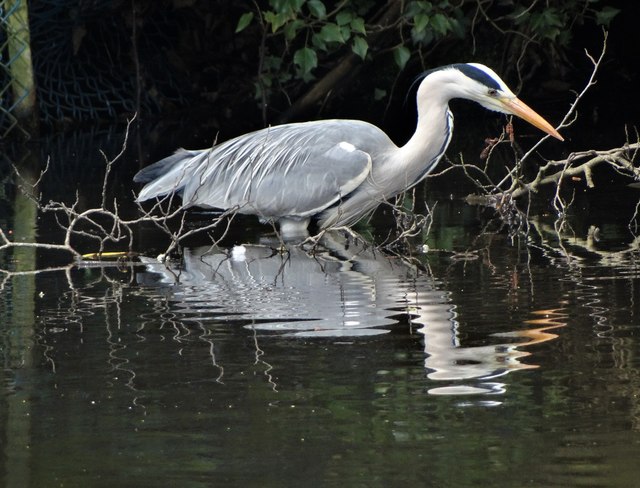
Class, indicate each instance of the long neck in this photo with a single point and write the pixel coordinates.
(405, 166)
(430, 140)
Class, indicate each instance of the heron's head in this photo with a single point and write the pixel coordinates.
(479, 83)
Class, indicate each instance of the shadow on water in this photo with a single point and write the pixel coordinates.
(489, 360)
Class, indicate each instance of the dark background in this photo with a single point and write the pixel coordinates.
(101, 61)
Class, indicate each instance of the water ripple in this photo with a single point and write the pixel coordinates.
(291, 292)
(342, 291)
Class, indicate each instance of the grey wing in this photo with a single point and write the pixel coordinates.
(294, 170)
(169, 175)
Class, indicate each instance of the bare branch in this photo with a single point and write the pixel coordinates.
(103, 226)
(567, 120)
(579, 165)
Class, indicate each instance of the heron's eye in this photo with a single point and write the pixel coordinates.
(492, 92)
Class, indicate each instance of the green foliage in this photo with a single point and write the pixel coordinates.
(553, 23)
(317, 9)
(311, 30)
(244, 21)
(303, 35)
(606, 15)
(360, 47)
(401, 56)
(305, 59)
(431, 22)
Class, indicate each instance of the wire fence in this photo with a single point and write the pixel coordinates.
(92, 61)
(14, 49)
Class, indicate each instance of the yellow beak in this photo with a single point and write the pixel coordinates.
(517, 107)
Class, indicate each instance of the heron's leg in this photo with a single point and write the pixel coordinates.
(293, 229)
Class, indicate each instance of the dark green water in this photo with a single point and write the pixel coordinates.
(489, 360)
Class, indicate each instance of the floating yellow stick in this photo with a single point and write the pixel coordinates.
(109, 255)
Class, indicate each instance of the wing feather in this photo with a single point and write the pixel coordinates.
(286, 171)
(294, 170)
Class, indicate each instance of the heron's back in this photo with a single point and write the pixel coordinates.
(287, 171)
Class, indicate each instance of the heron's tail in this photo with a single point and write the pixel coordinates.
(168, 175)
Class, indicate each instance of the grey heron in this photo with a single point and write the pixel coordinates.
(331, 171)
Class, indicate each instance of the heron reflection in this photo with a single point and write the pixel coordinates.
(342, 289)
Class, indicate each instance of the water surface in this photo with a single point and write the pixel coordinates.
(483, 359)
